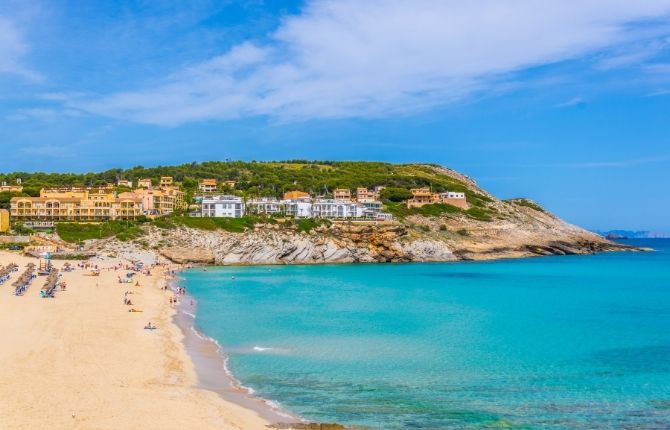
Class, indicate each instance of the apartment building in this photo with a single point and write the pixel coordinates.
(366, 195)
(299, 207)
(343, 194)
(264, 206)
(161, 201)
(166, 181)
(75, 204)
(331, 208)
(144, 183)
(222, 206)
(124, 183)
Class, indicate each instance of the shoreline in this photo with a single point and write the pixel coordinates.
(84, 359)
(210, 363)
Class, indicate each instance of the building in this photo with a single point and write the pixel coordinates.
(124, 183)
(454, 199)
(207, 185)
(365, 195)
(342, 194)
(4, 221)
(383, 216)
(75, 204)
(371, 208)
(423, 196)
(144, 183)
(264, 206)
(299, 207)
(327, 208)
(230, 183)
(10, 188)
(166, 181)
(161, 201)
(293, 195)
(222, 206)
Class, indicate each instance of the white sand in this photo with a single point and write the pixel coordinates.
(82, 361)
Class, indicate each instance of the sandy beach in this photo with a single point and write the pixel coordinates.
(81, 360)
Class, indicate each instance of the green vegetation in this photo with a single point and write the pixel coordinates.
(480, 214)
(307, 224)
(394, 194)
(527, 203)
(20, 229)
(6, 196)
(233, 225)
(76, 232)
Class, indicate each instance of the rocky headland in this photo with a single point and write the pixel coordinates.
(511, 229)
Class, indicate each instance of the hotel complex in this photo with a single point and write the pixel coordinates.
(105, 204)
(75, 204)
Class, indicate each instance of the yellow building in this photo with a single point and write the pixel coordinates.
(230, 183)
(207, 185)
(342, 194)
(363, 195)
(11, 188)
(144, 183)
(166, 181)
(161, 201)
(75, 204)
(424, 196)
(4, 220)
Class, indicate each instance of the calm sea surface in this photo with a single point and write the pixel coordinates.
(577, 342)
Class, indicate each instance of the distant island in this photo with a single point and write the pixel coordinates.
(295, 211)
(633, 234)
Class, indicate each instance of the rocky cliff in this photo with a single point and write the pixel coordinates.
(517, 228)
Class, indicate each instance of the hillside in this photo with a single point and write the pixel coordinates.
(490, 228)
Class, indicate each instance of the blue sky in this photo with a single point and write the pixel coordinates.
(566, 103)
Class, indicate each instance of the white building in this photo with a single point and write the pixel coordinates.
(264, 206)
(222, 207)
(452, 195)
(298, 208)
(327, 208)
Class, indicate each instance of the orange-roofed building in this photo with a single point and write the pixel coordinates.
(294, 195)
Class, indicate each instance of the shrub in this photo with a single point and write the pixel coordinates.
(394, 194)
(527, 203)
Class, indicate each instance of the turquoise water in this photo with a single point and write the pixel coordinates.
(547, 343)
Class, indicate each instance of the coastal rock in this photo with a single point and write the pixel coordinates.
(188, 255)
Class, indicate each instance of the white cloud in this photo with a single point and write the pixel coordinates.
(12, 50)
(352, 58)
(575, 101)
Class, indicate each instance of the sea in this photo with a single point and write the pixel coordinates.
(569, 342)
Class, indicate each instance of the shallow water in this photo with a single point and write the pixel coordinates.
(546, 343)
